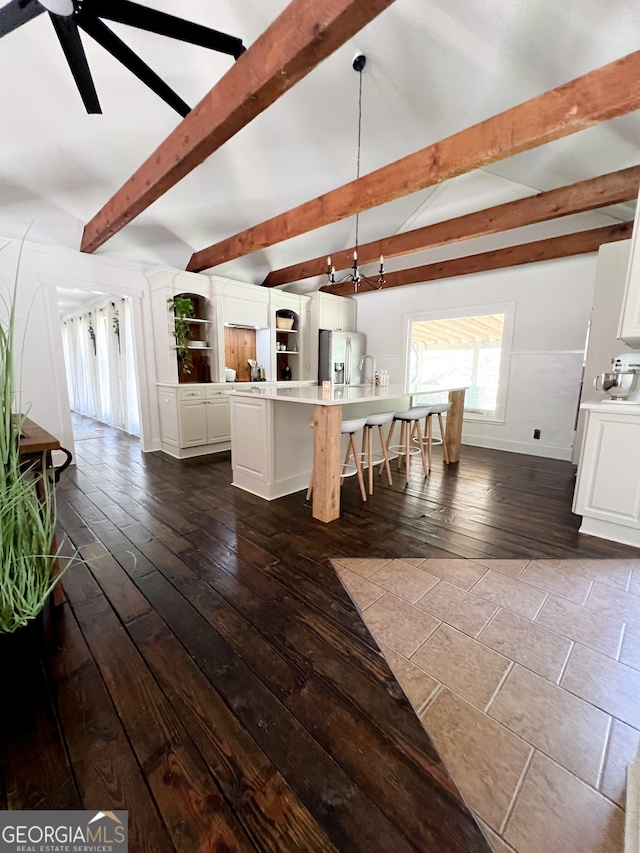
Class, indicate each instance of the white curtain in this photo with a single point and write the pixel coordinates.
(100, 364)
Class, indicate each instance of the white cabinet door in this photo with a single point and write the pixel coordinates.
(251, 453)
(629, 328)
(242, 312)
(193, 422)
(328, 311)
(242, 304)
(168, 417)
(347, 314)
(336, 312)
(608, 485)
(218, 426)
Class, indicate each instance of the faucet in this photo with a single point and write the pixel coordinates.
(373, 367)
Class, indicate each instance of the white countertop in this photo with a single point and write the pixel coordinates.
(613, 406)
(337, 395)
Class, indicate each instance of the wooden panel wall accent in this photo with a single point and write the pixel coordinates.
(613, 188)
(298, 40)
(610, 91)
(239, 345)
(579, 243)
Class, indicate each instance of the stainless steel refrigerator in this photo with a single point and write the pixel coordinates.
(339, 356)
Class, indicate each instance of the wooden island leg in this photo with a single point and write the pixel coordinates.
(326, 462)
(453, 431)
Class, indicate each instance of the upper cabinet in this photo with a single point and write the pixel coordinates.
(242, 304)
(629, 328)
(334, 312)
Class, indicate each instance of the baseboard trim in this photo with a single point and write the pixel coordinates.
(611, 531)
(546, 450)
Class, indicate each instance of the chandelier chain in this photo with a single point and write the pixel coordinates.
(355, 275)
(359, 145)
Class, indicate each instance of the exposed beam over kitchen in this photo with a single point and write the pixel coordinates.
(610, 91)
(613, 188)
(578, 243)
(297, 41)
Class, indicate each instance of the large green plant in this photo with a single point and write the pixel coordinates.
(183, 309)
(27, 521)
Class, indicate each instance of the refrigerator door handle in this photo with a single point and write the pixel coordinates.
(347, 376)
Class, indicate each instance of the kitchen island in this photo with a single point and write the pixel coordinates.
(273, 449)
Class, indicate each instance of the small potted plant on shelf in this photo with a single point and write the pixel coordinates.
(28, 562)
(183, 308)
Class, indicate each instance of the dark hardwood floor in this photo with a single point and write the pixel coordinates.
(209, 673)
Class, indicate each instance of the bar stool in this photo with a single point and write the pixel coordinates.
(409, 425)
(367, 445)
(438, 409)
(349, 428)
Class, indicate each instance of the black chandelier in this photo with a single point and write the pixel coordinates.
(354, 274)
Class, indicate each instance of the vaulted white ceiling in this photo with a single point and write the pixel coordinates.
(434, 67)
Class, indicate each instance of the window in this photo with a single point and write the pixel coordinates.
(463, 349)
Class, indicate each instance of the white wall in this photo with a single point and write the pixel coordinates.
(43, 384)
(553, 302)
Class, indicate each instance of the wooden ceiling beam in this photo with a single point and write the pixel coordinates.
(610, 91)
(298, 40)
(578, 243)
(612, 188)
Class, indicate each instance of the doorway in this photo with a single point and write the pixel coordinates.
(99, 354)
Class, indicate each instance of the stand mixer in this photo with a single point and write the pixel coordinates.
(622, 384)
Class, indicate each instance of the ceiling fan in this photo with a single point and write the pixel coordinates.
(67, 15)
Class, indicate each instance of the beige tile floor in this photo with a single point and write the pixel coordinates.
(526, 675)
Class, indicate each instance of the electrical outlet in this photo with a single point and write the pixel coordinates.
(536, 433)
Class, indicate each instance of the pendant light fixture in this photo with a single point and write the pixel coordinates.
(354, 274)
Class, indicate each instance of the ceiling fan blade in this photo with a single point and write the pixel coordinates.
(143, 18)
(16, 13)
(117, 48)
(69, 37)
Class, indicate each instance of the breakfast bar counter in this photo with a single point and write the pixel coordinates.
(273, 449)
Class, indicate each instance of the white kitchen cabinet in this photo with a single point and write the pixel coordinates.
(253, 436)
(194, 420)
(335, 312)
(629, 328)
(168, 412)
(607, 491)
(203, 416)
(242, 304)
(218, 425)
